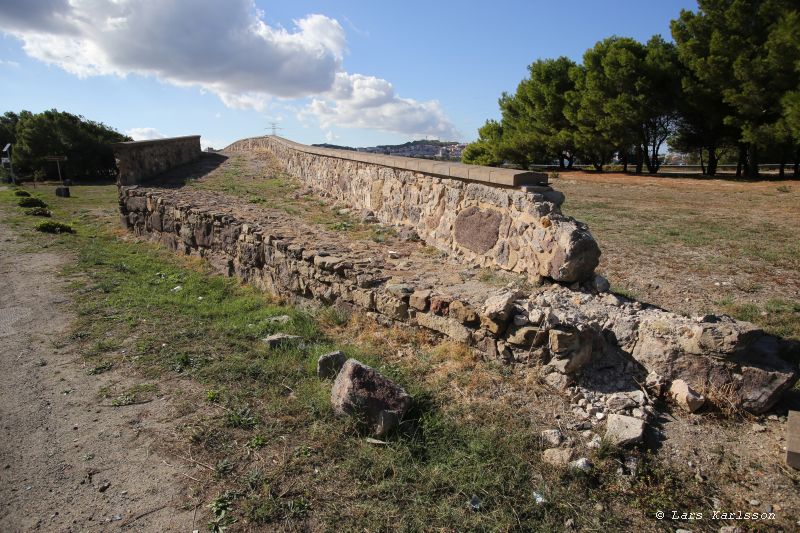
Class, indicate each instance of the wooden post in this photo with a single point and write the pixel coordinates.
(793, 440)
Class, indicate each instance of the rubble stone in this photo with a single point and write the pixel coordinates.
(685, 396)
(362, 391)
(624, 430)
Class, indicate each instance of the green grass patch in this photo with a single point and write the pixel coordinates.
(777, 316)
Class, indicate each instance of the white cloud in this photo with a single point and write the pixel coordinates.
(144, 134)
(211, 143)
(330, 136)
(223, 47)
(8, 63)
(358, 101)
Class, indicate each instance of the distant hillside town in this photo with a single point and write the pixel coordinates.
(446, 150)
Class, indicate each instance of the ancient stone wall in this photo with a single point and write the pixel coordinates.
(492, 217)
(599, 340)
(138, 161)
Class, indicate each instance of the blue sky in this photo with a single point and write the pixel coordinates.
(349, 72)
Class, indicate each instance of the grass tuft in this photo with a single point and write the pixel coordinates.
(49, 226)
(31, 202)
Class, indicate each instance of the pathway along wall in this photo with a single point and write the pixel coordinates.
(138, 161)
(492, 217)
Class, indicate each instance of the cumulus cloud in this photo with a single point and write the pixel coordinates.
(358, 101)
(149, 134)
(223, 47)
(144, 134)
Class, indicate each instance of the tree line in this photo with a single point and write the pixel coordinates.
(728, 87)
(35, 136)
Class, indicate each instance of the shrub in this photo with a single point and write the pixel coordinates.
(31, 202)
(49, 226)
(22, 193)
(38, 212)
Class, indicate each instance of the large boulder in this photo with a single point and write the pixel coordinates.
(568, 252)
(718, 355)
(363, 392)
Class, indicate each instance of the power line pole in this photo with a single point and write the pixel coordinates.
(275, 128)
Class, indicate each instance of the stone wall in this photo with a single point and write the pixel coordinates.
(599, 340)
(492, 217)
(138, 161)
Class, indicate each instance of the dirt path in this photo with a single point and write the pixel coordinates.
(68, 460)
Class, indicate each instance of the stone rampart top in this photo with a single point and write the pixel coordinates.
(167, 140)
(450, 169)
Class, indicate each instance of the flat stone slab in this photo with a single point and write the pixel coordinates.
(280, 339)
(624, 430)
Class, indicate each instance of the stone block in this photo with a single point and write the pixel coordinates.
(446, 326)
(497, 311)
(563, 341)
(477, 229)
(390, 306)
(419, 300)
(624, 430)
(462, 312)
(557, 456)
(329, 364)
(793, 440)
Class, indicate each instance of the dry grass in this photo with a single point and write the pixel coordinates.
(697, 246)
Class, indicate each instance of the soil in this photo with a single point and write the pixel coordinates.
(69, 461)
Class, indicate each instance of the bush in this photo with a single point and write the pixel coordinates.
(49, 226)
(31, 202)
(38, 212)
(22, 193)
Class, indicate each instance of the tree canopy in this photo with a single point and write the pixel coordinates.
(87, 144)
(730, 83)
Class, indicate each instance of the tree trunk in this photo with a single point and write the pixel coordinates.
(561, 162)
(652, 159)
(599, 162)
(797, 164)
(784, 159)
(702, 166)
(752, 162)
(740, 164)
(570, 161)
(625, 161)
(639, 159)
(713, 159)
